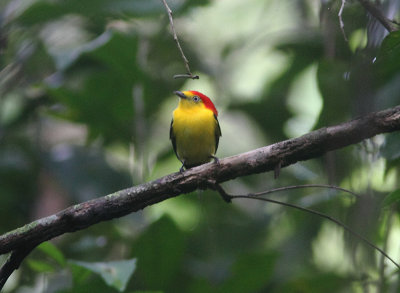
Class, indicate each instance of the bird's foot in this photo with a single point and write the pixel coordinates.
(216, 160)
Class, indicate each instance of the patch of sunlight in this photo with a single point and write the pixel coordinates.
(10, 107)
(63, 36)
(358, 39)
(189, 212)
(239, 134)
(372, 175)
(305, 102)
(230, 20)
(393, 245)
(329, 250)
(249, 79)
(164, 167)
(13, 9)
(302, 172)
(117, 156)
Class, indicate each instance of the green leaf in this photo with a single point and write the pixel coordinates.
(79, 274)
(388, 59)
(40, 266)
(391, 198)
(52, 251)
(159, 251)
(390, 149)
(103, 95)
(97, 86)
(116, 274)
(114, 49)
(390, 45)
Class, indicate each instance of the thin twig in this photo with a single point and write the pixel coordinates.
(176, 76)
(394, 21)
(322, 215)
(185, 60)
(305, 186)
(341, 20)
(377, 13)
(227, 197)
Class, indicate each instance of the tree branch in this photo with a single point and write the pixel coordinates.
(377, 13)
(264, 159)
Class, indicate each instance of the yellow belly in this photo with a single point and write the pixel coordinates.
(194, 132)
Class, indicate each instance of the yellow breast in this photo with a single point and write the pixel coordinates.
(194, 129)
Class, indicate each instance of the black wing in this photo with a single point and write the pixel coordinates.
(218, 133)
(172, 137)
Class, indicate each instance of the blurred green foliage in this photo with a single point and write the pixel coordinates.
(85, 106)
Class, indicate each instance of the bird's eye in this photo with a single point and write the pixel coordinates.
(196, 99)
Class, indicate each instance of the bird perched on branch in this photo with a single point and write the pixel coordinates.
(195, 130)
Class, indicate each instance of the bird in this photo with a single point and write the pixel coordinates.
(194, 130)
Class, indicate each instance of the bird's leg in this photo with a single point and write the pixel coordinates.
(216, 160)
(182, 167)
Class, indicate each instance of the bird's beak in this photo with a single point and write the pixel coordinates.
(180, 94)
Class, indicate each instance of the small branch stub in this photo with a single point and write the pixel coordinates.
(176, 76)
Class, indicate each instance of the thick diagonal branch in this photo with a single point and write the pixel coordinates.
(264, 159)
